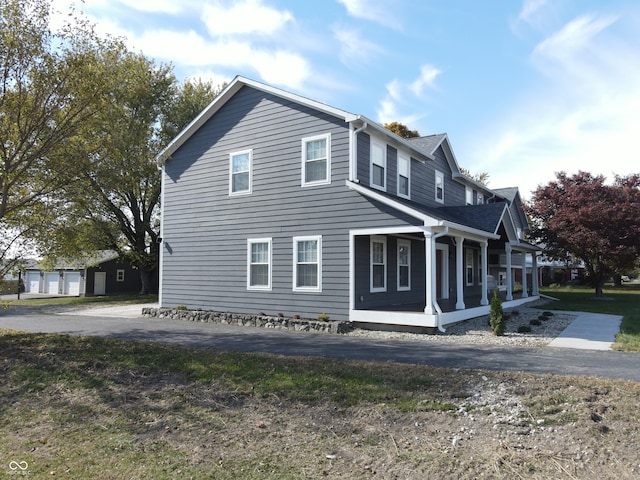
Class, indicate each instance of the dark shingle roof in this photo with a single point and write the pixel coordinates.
(428, 143)
(485, 217)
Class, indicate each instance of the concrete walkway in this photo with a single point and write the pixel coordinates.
(589, 331)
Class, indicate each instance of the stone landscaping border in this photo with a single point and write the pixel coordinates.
(251, 320)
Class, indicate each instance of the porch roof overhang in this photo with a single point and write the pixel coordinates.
(430, 219)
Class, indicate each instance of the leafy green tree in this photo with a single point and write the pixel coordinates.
(598, 223)
(50, 86)
(481, 178)
(401, 130)
(115, 205)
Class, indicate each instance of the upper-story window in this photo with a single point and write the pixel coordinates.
(439, 187)
(378, 165)
(316, 160)
(468, 195)
(240, 164)
(404, 175)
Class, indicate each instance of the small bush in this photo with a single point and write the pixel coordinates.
(524, 329)
(496, 315)
(181, 307)
(280, 314)
(323, 317)
(515, 313)
(535, 321)
(547, 314)
(296, 316)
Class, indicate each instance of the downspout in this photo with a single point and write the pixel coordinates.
(353, 164)
(435, 300)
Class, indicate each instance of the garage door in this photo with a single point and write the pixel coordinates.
(72, 283)
(51, 282)
(33, 282)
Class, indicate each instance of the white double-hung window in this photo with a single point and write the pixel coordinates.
(404, 176)
(404, 265)
(316, 160)
(378, 169)
(240, 165)
(378, 264)
(259, 264)
(439, 187)
(307, 264)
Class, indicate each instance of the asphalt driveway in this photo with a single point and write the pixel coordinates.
(130, 325)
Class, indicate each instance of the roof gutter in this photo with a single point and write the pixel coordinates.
(353, 169)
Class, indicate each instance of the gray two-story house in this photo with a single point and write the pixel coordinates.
(275, 203)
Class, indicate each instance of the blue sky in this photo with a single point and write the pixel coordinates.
(523, 88)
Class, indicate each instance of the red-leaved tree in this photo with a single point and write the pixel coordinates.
(598, 223)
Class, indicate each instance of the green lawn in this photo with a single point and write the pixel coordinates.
(623, 301)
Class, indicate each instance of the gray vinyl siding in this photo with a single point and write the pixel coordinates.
(365, 299)
(205, 230)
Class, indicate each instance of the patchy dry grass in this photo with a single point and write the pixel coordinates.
(89, 408)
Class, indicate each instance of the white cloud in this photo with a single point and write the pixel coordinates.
(530, 8)
(584, 113)
(427, 79)
(378, 11)
(401, 96)
(354, 50)
(245, 17)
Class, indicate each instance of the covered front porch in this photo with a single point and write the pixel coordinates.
(436, 276)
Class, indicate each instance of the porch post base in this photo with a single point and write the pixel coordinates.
(460, 306)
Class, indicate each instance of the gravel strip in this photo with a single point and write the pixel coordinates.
(477, 330)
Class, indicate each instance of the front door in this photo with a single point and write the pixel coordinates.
(100, 283)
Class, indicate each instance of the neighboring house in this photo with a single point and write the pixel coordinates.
(277, 203)
(103, 274)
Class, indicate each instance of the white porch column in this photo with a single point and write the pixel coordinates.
(525, 293)
(509, 273)
(483, 261)
(534, 275)
(430, 273)
(459, 241)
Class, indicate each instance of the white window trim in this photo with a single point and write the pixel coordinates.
(231, 155)
(251, 241)
(120, 275)
(317, 238)
(479, 199)
(383, 240)
(306, 140)
(441, 176)
(383, 146)
(405, 243)
(469, 265)
(408, 159)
